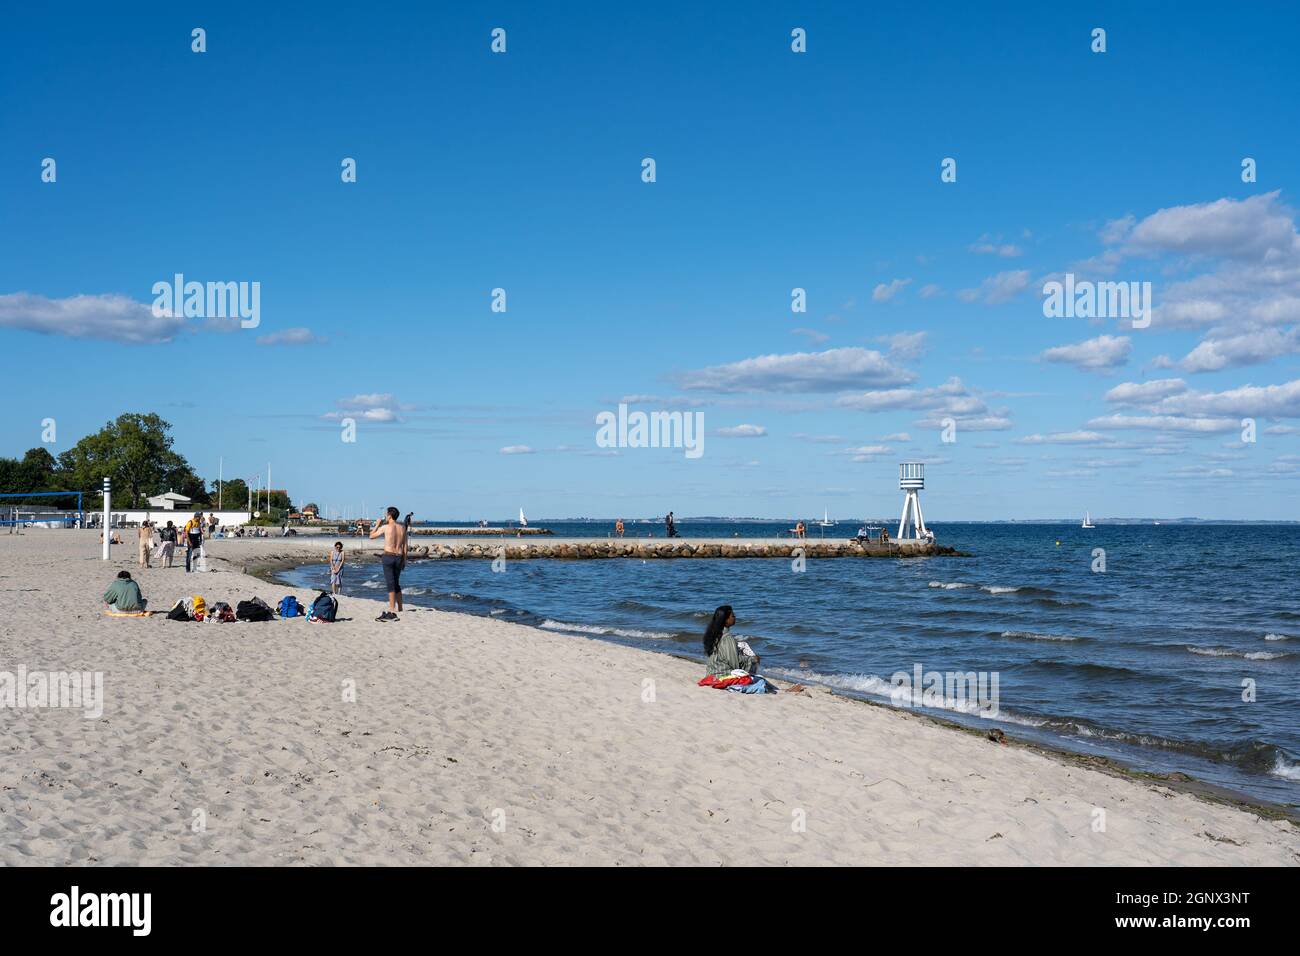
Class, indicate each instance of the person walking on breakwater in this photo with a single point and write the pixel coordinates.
(394, 559)
(726, 654)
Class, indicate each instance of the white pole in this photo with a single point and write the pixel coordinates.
(268, 487)
(108, 515)
(221, 471)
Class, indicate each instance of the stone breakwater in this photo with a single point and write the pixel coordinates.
(664, 548)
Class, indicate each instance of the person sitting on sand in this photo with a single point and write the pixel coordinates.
(124, 594)
(725, 654)
(618, 527)
(800, 530)
(336, 568)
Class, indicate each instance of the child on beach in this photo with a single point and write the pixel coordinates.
(336, 568)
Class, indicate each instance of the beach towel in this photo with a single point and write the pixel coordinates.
(739, 681)
(109, 612)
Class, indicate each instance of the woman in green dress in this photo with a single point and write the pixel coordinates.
(724, 656)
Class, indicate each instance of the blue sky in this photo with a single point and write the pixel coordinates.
(774, 171)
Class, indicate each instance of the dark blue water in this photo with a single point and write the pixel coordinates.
(1144, 662)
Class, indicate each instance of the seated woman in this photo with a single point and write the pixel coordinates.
(724, 654)
(124, 594)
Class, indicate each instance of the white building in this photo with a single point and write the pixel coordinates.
(170, 501)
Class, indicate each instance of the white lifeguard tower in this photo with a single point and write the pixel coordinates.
(911, 479)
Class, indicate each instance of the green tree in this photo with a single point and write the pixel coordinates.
(135, 451)
(234, 494)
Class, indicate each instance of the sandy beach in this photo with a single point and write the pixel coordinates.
(475, 741)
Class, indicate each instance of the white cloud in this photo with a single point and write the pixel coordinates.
(115, 318)
(905, 346)
(516, 450)
(1246, 348)
(817, 338)
(988, 246)
(1066, 438)
(1260, 401)
(829, 371)
(883, 292)
(930, 291)
(1138, 393)
(295, 336)
(742, 431)
(1173, 423)
(998, 288)
(1103, 352)
(897, 436)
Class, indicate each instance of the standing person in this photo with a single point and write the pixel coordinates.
(618, 527)
(394, 559)
(193, 540)
(146, 543)
(168, 544)
(670, 525)
(336, 568)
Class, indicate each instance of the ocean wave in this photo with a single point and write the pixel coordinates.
(873, 685)
(1286, 769)
(1277, 637)
(995, 589)
(1248, 655)
(950, 586)
(1035, 636)
(551, 625)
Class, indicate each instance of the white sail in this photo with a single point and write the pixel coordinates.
(523, 522)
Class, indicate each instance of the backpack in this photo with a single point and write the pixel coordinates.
(222, 612)
(254, 610)
(198, 609)
(179, 612)
(289, 606)
(324, 609)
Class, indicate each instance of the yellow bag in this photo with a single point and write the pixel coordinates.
(198, 609)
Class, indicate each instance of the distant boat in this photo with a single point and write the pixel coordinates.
(523, 522)
(826, 521)
(1087, 521)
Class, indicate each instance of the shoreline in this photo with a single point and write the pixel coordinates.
(449, 738)
(1177, 781)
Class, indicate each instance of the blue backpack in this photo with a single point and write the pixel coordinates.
(289, 606)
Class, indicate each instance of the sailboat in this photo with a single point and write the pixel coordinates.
(523, 522)
(826, 521)
(1087, 521)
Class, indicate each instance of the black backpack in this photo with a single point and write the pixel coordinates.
(179, 612)
(254, 610)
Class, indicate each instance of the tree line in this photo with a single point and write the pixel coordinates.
(135, 451)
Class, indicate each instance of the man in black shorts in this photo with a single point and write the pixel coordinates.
(394, 559)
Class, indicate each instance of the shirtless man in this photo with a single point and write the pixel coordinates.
(394, 535)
